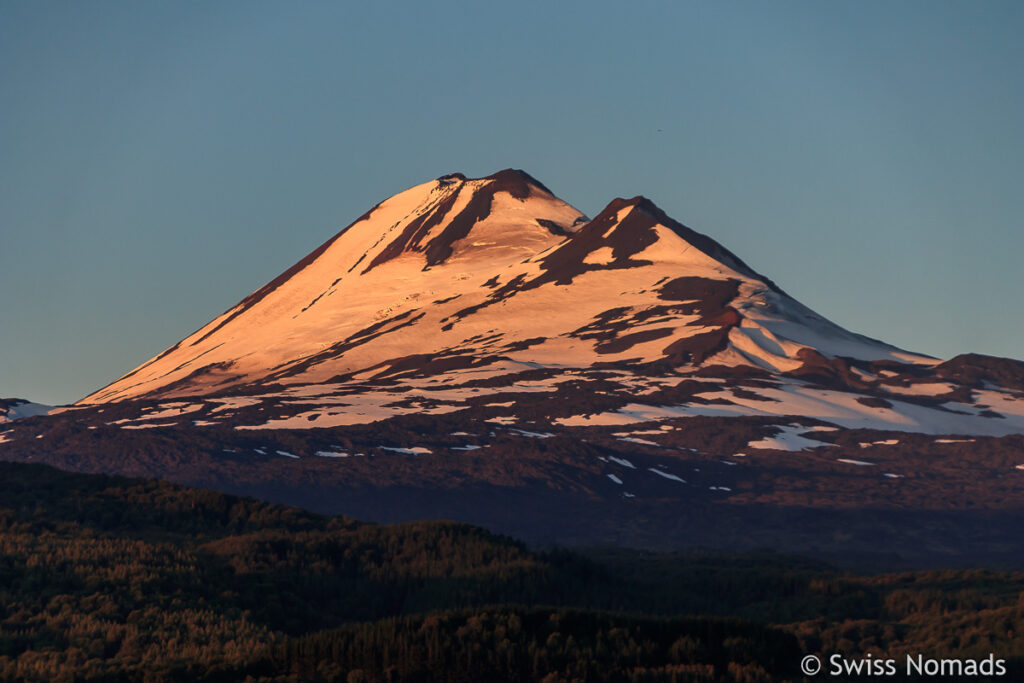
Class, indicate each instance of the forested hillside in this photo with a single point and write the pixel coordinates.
(105, 578)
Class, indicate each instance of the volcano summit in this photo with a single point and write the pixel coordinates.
(479, 349)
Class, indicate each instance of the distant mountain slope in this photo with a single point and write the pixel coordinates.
(16, 408)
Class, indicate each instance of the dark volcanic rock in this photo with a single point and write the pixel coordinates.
(974, 369)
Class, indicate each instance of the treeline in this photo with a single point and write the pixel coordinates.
(106, 578)
(517, 644)
(960, 613)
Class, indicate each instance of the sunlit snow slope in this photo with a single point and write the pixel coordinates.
(459, 288)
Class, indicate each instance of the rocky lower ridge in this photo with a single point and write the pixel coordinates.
(880, 395)
(793, 484)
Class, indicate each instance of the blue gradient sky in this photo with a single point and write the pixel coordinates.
(160, 160)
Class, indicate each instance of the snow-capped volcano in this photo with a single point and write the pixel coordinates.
(461, 288)
(605, 380)
(498, 273)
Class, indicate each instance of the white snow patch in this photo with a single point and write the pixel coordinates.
(887, 442)
(604, 419)
(922, 389)
(599, 256)
(27, 409)
(331, 454)
(666, 475)
(287, 454)
(788, 439)
(150, 426)
(622, 461)
(468, 447)
(855, 462)
(415, 450)
(234, 402)
(615, 479)
(954, 440)
(535, 435)
(863, 375)
(659, 430)
(890, 475)
(373, 410)
(643, 442)
(842, 408)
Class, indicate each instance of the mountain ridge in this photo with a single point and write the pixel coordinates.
(508, 227)
(511, 363)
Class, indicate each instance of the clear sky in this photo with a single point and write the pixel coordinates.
(161, 160)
